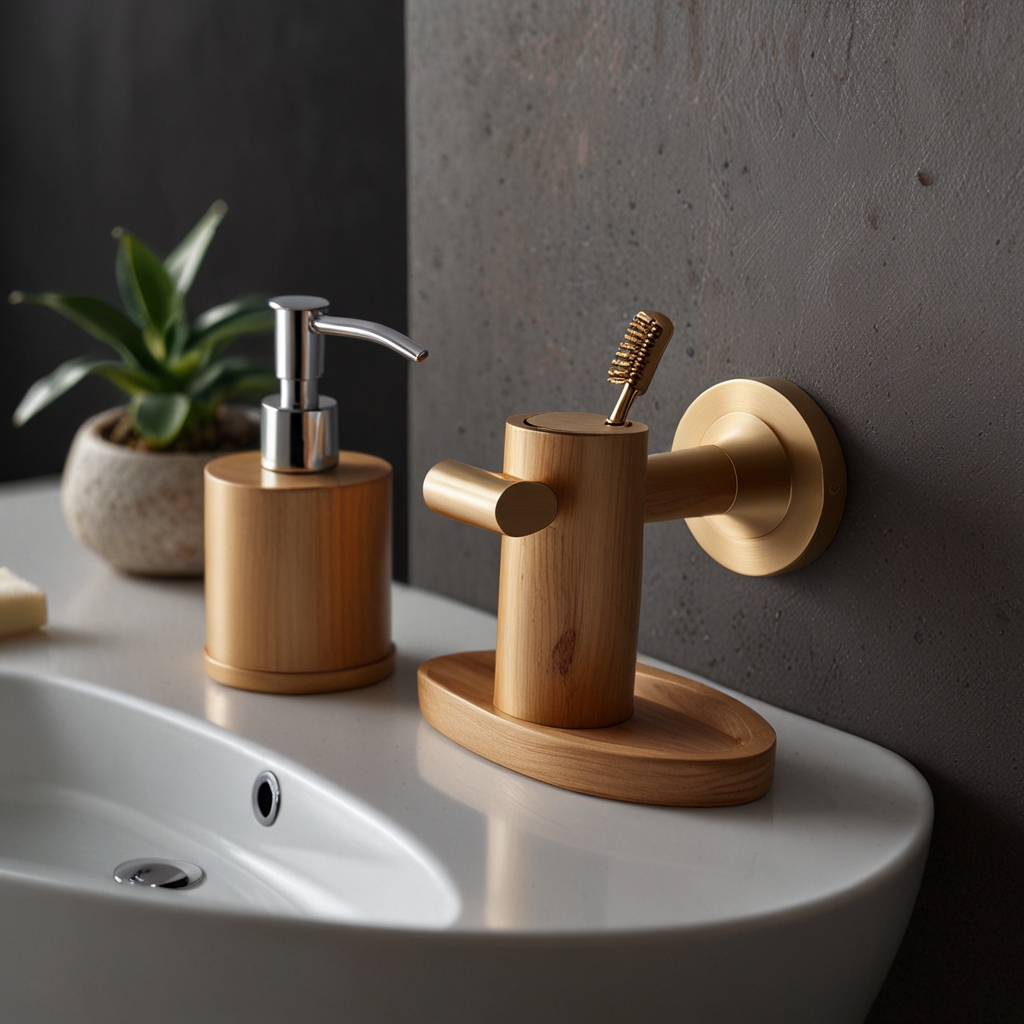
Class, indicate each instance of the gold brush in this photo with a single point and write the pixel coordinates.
(637, 359)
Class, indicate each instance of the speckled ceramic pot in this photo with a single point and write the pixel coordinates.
(141, 511)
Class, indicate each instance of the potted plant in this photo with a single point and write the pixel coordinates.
(133, 481)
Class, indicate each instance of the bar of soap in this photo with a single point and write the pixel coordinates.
(22, 605)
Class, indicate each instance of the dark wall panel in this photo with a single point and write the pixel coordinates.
(136, 113)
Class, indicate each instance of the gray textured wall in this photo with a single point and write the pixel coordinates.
(825, 192)
(141, 113)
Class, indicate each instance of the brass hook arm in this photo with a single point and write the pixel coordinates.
(689, 482)
(492, 501)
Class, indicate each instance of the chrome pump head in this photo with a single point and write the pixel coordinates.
(299, 427)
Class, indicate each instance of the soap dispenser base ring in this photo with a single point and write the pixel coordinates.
(294, 683)
(687, 744)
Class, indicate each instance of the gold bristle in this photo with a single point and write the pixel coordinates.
(634, 351)
(637, 358)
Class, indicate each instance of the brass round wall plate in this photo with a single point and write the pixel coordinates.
(817, 475)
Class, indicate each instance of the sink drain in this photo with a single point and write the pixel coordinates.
(266, 798)
(159, 874)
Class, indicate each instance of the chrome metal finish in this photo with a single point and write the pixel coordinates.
(300, 394)
(342, 327)
(296, 440)
(266, 798)
(159, 874)
(299, 427)
(297, 355)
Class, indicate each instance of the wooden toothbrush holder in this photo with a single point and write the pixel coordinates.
(557, 661)
(757, 472)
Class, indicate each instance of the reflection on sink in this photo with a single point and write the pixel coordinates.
(90, 779)
(787, 909)
(843, 815)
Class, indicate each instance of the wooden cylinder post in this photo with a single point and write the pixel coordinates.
(298, 575)
(566, 649)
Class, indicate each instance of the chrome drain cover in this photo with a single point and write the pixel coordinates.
(159, 874)
(266, 798)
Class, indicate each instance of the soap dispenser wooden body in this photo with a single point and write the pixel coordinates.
(298, 575)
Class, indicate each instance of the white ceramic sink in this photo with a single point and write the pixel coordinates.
(405, 878)
(90, 779)
(335, 912)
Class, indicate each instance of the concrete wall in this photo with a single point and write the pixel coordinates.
(825, 192)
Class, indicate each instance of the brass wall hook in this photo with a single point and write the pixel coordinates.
(789, 477)
(755, 469)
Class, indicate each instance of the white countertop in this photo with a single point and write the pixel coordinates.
(525, 857)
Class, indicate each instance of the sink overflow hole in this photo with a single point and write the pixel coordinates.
(159, 874)
(266, 798)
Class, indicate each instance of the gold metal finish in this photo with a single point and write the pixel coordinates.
(637, 359)
(763, 481)
(691, 482)
(492, 501)
(791, 477)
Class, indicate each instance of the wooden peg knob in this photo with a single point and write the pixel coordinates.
(492, 501)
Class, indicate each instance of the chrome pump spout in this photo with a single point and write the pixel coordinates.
(299, 427)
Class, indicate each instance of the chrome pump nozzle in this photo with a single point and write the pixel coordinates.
(299, 427)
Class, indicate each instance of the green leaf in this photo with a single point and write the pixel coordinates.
(215, 329)
(229, 378)
(251, 387)
(101, 320)
(180, 334)
(132, 382)
(67, 375)
(184, 262)
(147, 291)
(185, 367)
(215, 373)
(251, 303)
(160, 417)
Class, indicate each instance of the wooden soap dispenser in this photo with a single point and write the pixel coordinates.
(298, 535)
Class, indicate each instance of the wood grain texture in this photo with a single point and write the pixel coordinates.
(687, 744)
(300, 682)
(569, 596)
(298, 572)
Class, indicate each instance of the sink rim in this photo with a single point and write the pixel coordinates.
(913, 849)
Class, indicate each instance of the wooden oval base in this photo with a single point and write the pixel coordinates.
(687, 744)
(300, 682)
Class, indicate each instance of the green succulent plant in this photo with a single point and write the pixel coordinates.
(171, 368)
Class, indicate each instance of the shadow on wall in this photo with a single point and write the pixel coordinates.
(963, 944)
(908, 631)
